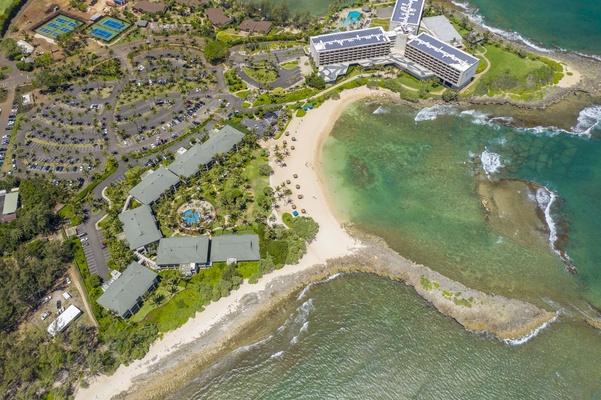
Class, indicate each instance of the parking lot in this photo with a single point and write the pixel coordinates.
(95, 250)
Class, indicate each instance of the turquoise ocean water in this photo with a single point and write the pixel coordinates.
(408, 176)
(569, 25)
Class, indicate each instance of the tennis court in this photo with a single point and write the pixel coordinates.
(107, 28)
(57, 26)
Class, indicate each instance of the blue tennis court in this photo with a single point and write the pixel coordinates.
(108, 28)
(109, 23)
(58, 25)
(102, 34)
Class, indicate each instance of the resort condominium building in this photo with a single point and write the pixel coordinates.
(407, 15)
(346, 47)
(453, 66)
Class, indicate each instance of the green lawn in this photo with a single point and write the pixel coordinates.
(68, 212)
(176, 311)
(287, 218)
(375, 22)
(289, 64)
(4, 5)
(263, 72)
(511, 73)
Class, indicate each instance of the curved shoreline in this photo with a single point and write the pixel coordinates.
(223, 325)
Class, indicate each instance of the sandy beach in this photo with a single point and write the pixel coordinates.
(223, 324)
(332, 241)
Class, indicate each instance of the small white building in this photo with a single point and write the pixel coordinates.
(25, 47)
(64, 319)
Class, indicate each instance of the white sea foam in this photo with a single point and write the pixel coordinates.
(491, 162)
(588, 119)
(278, 355)
(533, 333)
(431, 113)
(305, 327)
(473, 15)
(294, 341)
(594, 56)
(309, 286)
(545, 199)
(478, 117)
(381, 110)
(464, 5)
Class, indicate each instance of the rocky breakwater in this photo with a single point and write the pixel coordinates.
(507, 319)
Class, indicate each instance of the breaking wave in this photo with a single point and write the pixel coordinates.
(533, 333)
(431, 113)
(473, 15)
(309, 286)
(589, 119)
(491, 162)
(381, 110)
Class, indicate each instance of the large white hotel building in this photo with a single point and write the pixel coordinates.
(451, 65)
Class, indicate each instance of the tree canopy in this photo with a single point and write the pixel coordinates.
(215, 52)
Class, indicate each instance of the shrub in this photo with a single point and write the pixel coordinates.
(316, 81)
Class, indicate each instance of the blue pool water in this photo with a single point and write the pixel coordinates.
(352, 18)
(191, 216)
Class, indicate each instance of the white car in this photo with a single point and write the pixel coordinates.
(84, 239)
(141, 68)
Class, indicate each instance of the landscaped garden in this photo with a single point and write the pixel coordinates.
(262, 71)
(516, 72)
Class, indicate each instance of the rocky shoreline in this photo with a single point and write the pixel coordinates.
(507, 319)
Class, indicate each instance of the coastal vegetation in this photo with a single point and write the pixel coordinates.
(517, 73)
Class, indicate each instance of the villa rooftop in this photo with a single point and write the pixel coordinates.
(183, 250)
(202, 154)
(152, 187)
(238, 247)
(140, 227)
(126, 291)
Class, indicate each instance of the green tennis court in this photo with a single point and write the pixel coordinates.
(58, 25)
(108, 28)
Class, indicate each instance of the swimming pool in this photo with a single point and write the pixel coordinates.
(352, 18)
(191, 216)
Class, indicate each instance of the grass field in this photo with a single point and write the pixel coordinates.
(290, 64)
(512, 74)
(375, 22)
(262, 72)
(4, 5)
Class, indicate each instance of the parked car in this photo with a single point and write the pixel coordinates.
(45, 315)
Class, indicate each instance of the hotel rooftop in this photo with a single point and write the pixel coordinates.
(443, 52)
(407, 12)
(344, 40)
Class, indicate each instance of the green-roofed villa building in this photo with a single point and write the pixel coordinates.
(234, 248)
(126, 293)
(185, 253)
(153, 186)
(140, 227)
(201, 154)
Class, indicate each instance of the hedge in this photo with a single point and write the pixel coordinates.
(10, 12)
